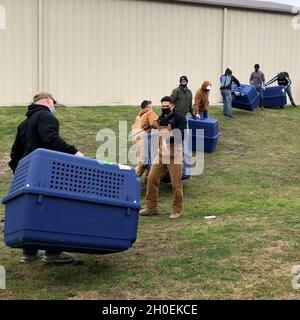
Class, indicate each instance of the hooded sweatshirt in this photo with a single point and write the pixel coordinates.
(39, 130)
(202, 98)
(227, 79)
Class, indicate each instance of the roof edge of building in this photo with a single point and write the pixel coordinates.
(245, 5)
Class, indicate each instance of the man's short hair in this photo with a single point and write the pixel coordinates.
(167, 99)
(145, 104)
(43, 95)
(257, 66)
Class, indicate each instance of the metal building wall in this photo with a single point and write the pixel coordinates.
(123, 51)
(93, 52)
(18, 52)
(264, 38)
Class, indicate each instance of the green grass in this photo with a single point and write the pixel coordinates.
(251, 183)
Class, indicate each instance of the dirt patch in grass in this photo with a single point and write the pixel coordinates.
(233, 146)
(159, 241)
(122, 293)
(88, 295)
(4, 168)
(6, 295)
(246, 253)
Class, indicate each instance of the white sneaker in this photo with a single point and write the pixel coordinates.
(175, 215)
(30, 258)
(59, 258)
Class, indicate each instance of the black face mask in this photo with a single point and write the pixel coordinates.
(166, 112)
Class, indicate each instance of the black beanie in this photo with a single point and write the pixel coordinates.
(182, 78)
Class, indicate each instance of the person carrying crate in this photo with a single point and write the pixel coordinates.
(201, 103)
(40, 130)
(283, 79)
(226, 82)
(170, 157)
(258, 80)
(144, 123)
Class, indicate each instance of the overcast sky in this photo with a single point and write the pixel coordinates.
(291, 2)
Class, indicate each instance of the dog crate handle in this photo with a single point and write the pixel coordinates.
(40, 199)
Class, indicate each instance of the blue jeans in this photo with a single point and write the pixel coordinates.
(227, 102)
(288, 90)
(204, 115)
(261, 94)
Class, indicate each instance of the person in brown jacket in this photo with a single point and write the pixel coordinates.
(144, 123)
(201, 103)
(172, 126)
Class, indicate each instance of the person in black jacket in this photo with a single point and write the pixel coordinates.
(283, 79)
(40, 130)
(170, 156)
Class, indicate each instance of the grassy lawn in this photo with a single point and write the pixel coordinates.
(251, 183)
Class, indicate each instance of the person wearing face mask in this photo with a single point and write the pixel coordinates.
(40, 130)
(257, 79)
(183, 98)
(170, 157)
(201, 103)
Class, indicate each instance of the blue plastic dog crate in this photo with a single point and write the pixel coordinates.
(211, 133)
(275, 97)
(59, 201)
(245, 97)
(152, 147)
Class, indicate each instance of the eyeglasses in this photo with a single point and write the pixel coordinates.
(54, 102)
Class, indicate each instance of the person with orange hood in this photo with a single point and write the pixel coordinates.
(201, 103)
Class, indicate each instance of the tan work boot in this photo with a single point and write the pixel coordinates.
(149, 212)
(175, 215)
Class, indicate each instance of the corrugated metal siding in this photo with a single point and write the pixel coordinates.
(18, 52)
(122, 51)
(264, 38)
(119, 51)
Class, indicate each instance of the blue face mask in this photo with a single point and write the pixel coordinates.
(52, 110)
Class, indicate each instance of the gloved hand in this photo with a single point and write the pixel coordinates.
(163, 122)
